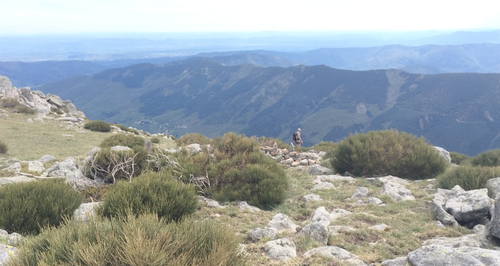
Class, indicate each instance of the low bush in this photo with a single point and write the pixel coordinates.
(127, 129)
(262, 185)
(28, 207)
(9, 103)
(128, 140)
(236, 171)
(324, 146)
(110, 165)
(98, 126)
(25, 110)
(467, 177)
(269, 142)
(155, 140)
(150, 193)
(459, 158)
(387, 152)
(3, 147)
(145, 240)
(489, 158)
(191, 138)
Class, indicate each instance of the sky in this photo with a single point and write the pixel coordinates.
(23, 17)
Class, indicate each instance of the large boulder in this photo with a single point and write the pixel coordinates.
(282, 223)
(470, 207)
(281, 249)
(397, 191)
(332, 252)
(442, 255)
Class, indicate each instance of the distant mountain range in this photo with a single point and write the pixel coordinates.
(429, 59)
(459, 112)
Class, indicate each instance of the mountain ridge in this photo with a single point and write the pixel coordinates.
(201, 95)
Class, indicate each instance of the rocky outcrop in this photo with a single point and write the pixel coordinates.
(43, 104)
(468, 208)
(294, 158)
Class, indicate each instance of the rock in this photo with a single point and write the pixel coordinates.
(360, 192)
(493, 186)
(256, 234)
(311, 197)
(85, 212)
(334, 178)
(444, 154)
(282, 223)
(46, 158)
(440, 213)
(14, 238)
(304, 162)
(389, 178)
(193, 148)
(319, 170)
(323, 186)
(6, 251)
(15, 167)
(320, 214)
(401, 261)
(295, 164)
(210, 203)
(379, 227)
(336, 229)
(317, 231)
(29, 120)
(397, 191)
(369, 201)
(243, 205)
(281, 249)
(442, 255)
(469, 206)
(36, 167)
(332, 252)
(494, 225)
(55, 100)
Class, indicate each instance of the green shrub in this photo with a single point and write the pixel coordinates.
(3, 147)
(150, 193)
(489, 158)
(387, 152)
(191, 138)
(262, 185)
(98, 126)
(25, 110)
(9, 103)
(269, 142)
(128, 140)
(326, 146)
(115, 165)
(27, 207)
(145, 240)
(237, 171)
(127, 129)
(467, 177)
(155, 140)
(459, 158)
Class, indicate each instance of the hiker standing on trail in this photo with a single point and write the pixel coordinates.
(297, 138)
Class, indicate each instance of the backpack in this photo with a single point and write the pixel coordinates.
(295, 136)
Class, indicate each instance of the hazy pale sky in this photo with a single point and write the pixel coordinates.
(77, 16)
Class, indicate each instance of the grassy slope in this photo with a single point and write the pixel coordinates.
(410, 223)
